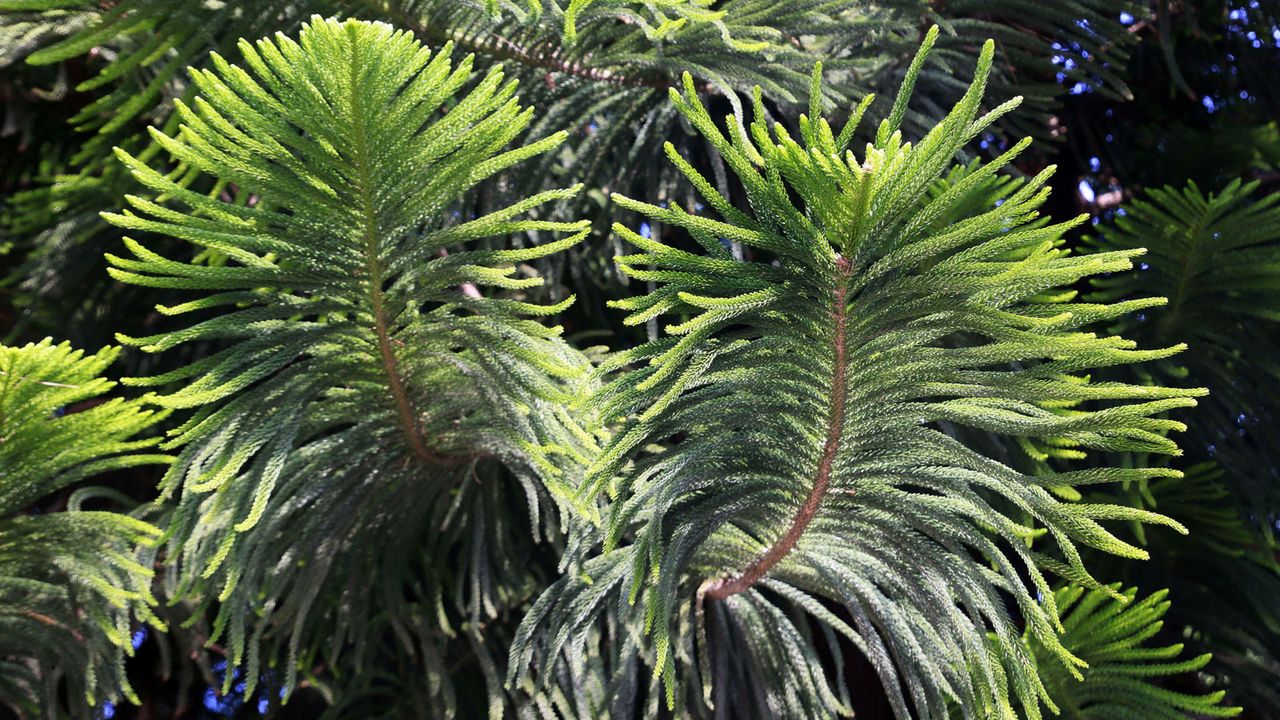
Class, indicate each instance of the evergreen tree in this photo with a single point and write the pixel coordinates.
(635, 358)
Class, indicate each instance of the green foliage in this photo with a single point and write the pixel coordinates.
(874, 424)
(1224, 578)
(598, 68)
(365, 381)
(1216, 256)
(1112, 635)
(810, 390)
(71, 584)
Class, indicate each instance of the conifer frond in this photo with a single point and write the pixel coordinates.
(25, 29)
(151, 42)
(1216, 256)
(1205, 574)
(374, 364)
(71, 585)
(1043, 51)
(787, 470)
(598, 68)
(1112, 635)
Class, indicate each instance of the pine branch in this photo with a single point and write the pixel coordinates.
(71, 582)
(737, 459)
(1217, 257)
(1111, 635)
(357, 389)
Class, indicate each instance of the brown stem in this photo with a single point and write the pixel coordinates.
(373, 266)
(46, 620)
(551, 60)
(721, 588)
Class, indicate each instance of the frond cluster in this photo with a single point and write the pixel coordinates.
(1216, 256)
(1112, 635)
(369, 375)
(71, 584)
(597, 68)
(875, 419)
(798, 411)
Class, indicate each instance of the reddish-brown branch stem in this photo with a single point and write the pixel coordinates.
(373, 266)
(551, 60)
(721, 588)
(404, 407)
(46, 620)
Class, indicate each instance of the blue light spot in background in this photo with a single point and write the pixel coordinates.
(211, 700)
(1095, 164)
(139, 637)
(1086, 191)
(1143, 266)
(645, 230)
(107, 710)
(226, 705)
(262, 706)
(1079, 88)
(1126, 18)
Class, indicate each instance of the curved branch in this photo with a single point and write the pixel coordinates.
(721, 588)
(501, 48)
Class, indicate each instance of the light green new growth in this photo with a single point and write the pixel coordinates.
(798, 416)
(372, 357)
(1111, 635)
(71, 584)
